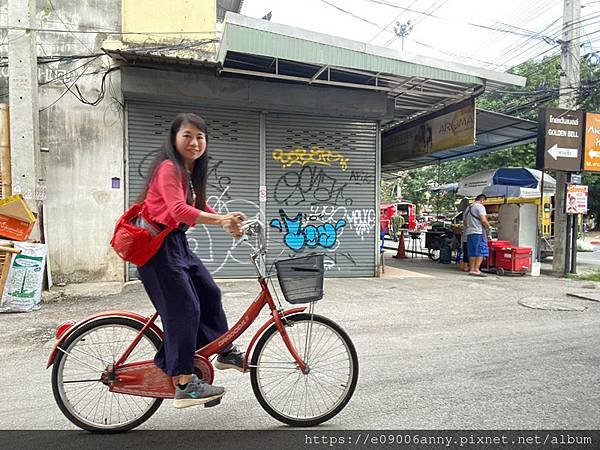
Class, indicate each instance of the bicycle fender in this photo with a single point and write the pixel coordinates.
(262, 329)
(130, 315)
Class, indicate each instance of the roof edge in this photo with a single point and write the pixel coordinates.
(335, 41)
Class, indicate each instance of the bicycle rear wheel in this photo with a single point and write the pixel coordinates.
(82, 372)
(284, 391)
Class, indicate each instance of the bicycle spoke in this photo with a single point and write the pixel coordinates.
(79, 360)
(305, 396)
(78, 350)
(82, 381)
(80, 386)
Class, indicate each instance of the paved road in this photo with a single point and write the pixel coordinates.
(437, 349)
(585, 260)
(589, 258)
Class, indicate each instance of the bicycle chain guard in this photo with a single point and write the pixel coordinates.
(143, 378)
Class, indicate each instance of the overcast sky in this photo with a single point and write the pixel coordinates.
(446, 29)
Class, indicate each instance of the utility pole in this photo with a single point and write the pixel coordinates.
(569, 87)
(23, 98)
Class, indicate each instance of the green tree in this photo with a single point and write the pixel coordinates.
(541, 89)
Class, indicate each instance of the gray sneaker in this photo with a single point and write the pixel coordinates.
(197, 392)
(233, 359)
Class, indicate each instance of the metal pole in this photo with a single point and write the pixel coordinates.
(540, 218)
(568, 245)
(569, 84)
(378, 237)
(262, 195)
(575, 220)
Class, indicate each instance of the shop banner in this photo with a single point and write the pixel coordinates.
(591, 149)
(577, 199)
(451, 130)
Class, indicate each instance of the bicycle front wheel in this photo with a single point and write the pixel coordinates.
(83, 369)
(299, 399)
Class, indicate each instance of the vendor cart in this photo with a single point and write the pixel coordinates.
(512, 259)
(435, 240)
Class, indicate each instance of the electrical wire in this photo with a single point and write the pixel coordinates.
(66, 27)
(102, 93)
(2, 94)
(428, 13)
(514, 53)
(96, 31)
(64, 93)
(351, 14)
(393, 21)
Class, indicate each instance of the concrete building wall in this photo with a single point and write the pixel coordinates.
(81, 145)
(191, 19)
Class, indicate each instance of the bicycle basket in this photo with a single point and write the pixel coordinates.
(301, 279)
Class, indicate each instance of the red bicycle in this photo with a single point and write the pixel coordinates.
(303, 367)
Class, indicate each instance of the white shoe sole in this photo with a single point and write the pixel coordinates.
(187, 402)
(222, 366)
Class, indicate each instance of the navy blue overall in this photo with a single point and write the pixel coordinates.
(188, 301)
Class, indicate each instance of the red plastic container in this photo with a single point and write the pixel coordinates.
(490, 261)
(498, 243)
(513, 259)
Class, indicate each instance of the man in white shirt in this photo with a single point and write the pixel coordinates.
(475, 227)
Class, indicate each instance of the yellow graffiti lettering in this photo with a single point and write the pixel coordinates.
(315, 155)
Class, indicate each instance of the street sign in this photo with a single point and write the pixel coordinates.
(577, 199)
(559, 139)
(591, 147)
(575, 178)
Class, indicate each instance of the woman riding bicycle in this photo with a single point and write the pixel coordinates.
(179, 286)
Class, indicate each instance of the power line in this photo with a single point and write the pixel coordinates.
(428, 13)
(65, 25)
(382, 29)
(554, 36)
(350, 13)
(96, 31)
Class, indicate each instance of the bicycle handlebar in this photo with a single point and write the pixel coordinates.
(252, 225)
(254, 228)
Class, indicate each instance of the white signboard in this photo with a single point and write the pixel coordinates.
(577, 199)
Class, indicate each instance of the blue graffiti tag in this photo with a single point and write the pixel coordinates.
(297, 237)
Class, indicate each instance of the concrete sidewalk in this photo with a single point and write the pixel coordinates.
(437, 349)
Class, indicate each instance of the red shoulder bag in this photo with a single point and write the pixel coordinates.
(133, 243)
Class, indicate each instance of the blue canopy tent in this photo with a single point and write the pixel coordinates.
(507, 182)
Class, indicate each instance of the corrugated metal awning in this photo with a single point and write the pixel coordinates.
(494, 131)
(418, 85)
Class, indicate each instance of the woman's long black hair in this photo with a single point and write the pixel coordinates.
(199, 175)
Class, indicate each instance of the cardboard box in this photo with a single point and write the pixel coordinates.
(16, 219)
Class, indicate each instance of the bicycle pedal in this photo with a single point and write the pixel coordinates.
(212, 403)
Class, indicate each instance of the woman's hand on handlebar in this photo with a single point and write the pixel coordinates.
(232, 223)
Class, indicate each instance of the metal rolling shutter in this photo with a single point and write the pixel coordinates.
(233, 146)
(322, 200)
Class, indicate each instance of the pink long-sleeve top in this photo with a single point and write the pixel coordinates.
(166, 198)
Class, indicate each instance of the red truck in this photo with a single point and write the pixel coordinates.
(407, 210)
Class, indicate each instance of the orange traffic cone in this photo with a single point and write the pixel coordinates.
(401, 253)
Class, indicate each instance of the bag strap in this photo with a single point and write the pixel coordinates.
(144, 212)
(473, 215)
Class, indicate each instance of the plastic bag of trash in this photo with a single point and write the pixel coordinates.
(23, 288)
